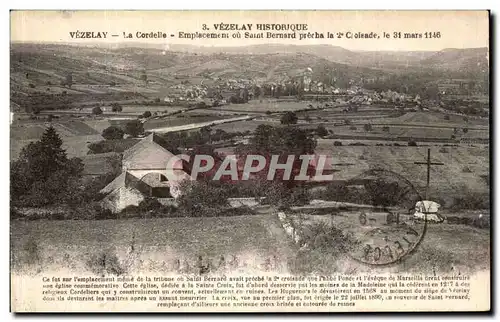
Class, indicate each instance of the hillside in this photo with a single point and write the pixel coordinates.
(472, 60)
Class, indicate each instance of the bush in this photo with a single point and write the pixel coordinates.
(443, 150)
(134, 128)
(368, 127)
(412, 143)
(150, 204)
(146, 114)
(466, 169)
(321, 131)
(289, 118)
(112, 133)
(104, 263)
(385, 129)
(115, 107)
(268, 112)
(337, 143)
(97, 110)
(353, 128)
(465, 130)
(31, 85)
(471, 200)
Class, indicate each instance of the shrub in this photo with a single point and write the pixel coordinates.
(353, 128)
(321, 131)
(146, 114)
(367, 127)
(150, 204)
(105, 262)
(337, 143)
(112, 133)
(289, 118)
(97, 110)
(465, 130)
(471, 200)
(115, 107)
(268, 112)
(31, 85)
(412, 143)
(443, 150)
(32, 251)
(134, 128)
(385, 129)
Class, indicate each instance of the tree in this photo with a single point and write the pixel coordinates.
(144, 77)
(465, 130)
(256, 91)
(202, 198)
(115, 107)
(321, 131)
(43, 172)
(384, 193)
(134, 128)
(146, 114)
(412, 143)
(97, 110)
(289, 118)
(244, 95)
(112, 133)
(368, 127)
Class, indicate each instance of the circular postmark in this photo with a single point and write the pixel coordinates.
(381, 229)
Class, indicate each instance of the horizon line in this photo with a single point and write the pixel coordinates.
(137, 44)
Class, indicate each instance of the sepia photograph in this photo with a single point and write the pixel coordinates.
(243, 161)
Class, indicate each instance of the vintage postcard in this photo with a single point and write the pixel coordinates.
(249, 161)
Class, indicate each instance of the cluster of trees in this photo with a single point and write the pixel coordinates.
(276, 91)
(469, 108)
(133, 128)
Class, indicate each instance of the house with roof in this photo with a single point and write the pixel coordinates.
(148, 170)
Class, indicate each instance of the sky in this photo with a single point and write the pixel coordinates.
(457, 29)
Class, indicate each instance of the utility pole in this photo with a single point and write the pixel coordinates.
(428, 163)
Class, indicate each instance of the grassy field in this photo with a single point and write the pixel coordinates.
(247, 243)
(157, 243)
(444, 248)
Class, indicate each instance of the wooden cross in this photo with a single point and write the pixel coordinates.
(429, 163)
